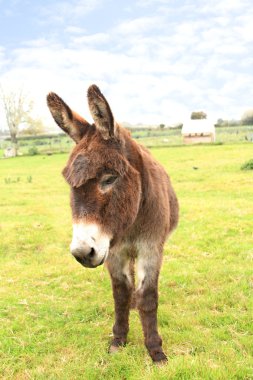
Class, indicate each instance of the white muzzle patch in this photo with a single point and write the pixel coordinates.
(90, 235)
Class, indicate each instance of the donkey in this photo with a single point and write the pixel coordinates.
(123, 208)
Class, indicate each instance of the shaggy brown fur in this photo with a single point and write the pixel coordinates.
(116, 184)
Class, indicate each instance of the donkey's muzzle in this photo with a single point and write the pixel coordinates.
(89, 246)
(86, 256)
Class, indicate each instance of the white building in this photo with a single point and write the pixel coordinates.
(198, 131)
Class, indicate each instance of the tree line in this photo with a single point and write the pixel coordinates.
(18, 109)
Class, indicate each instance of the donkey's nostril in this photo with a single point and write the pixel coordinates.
(92, 252)
(78, 259)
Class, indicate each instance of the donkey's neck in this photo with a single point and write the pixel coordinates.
(139, 158)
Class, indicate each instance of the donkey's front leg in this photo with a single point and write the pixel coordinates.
(122, 286)
(148, 269)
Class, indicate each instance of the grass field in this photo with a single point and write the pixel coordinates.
(56, 317)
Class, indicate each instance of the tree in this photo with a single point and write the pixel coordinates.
(247, 117)
(17, 110)
(220, 122)
(196, 115)
(34, 127)
(162, 126)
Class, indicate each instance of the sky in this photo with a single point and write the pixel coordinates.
(156, 61)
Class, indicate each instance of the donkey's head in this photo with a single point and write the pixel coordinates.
(105, 187)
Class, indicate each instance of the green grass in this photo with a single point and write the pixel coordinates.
(56, 317)
(248, 165)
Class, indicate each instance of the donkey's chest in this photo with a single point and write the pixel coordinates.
(132, 248)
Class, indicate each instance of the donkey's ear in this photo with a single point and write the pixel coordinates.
(101, 112)
(70, 122)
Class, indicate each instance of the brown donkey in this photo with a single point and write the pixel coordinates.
(123, 208)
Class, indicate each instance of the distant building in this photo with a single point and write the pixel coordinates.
(198, 131)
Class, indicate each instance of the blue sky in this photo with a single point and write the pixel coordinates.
(155, 60)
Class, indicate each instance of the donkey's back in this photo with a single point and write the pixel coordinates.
(158, 212)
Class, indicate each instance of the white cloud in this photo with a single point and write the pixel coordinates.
(224, 6)
(75, 30)
(146, 3)
(91, 40)
(140, 25)
(65, 11)
(153, 68)
(3, 59)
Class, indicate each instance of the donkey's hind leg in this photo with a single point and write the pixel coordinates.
(122, 285)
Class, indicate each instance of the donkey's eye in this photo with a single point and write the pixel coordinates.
(109, 180)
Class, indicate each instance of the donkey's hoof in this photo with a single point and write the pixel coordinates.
(113, 349)
(115, 345)
(159, 357)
